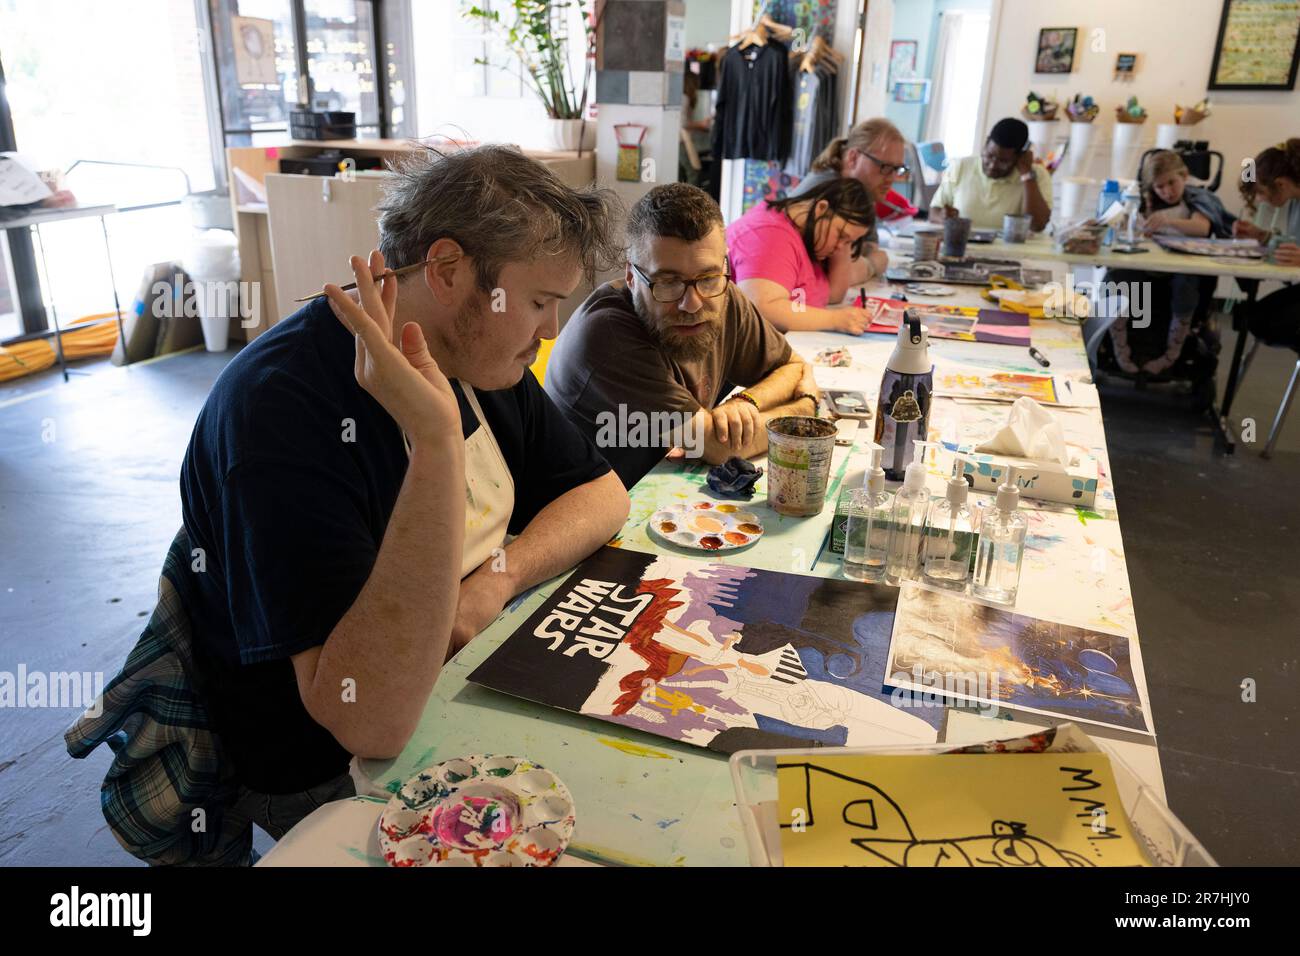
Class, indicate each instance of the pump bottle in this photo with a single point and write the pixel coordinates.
(907, 521)
(949, 535)
(866, 541)
(1001, 547)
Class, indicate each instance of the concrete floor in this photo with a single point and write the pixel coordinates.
(85, 520)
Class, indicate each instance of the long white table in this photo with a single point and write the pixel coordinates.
(1158, 259)
(646, 800)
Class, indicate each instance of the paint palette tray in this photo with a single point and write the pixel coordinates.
(1162, 837)
(707, 525)
(480, 810)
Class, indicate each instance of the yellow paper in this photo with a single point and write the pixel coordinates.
(1041, 809)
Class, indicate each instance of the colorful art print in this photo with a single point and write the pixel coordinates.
(998, 386)
(1196, 246)
(1258, 46)
(713, 655)
(902, 60)
(1126, 62)
(1012, 660)
(912, 91)
(1056, 49)
(806, 15)
(765, 180)
(964, 323)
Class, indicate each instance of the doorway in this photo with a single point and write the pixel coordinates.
(961, 50)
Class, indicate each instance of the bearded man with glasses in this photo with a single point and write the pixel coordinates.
(660, 352)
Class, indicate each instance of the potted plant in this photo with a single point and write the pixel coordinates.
(536, 33)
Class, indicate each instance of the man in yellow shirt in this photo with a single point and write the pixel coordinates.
(1002, 180)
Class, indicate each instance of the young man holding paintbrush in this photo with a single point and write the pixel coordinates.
(356, 471)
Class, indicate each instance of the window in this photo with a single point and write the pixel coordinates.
(110, 89)
(341, 58)
(257, 66)
(349, 55)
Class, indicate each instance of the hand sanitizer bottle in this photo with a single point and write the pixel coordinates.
(1132, 197)
(866, 541)
(907, 521)
(1001, 547)
(949, 535)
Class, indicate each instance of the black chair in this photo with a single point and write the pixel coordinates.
(1199, 159)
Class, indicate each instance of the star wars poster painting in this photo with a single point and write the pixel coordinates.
(714, 655)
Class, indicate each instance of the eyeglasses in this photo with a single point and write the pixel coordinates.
(671, 290)
(888, 169)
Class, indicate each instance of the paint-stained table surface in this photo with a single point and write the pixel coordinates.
(640, 799)
(646, 800)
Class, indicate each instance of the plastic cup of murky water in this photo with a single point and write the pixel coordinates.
(799, 453)
(956, 231)
(1015, 228)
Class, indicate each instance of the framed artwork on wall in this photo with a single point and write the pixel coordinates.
(902, 61)
(1056, 49)
(1125, 65)
(912, 91)
(1258, 46)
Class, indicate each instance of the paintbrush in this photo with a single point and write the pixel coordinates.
(385, 274)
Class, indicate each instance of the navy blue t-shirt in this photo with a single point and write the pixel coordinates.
(287, 486)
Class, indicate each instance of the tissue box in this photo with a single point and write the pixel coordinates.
(1048, 481)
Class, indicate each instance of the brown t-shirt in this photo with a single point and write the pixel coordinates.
(605, 358)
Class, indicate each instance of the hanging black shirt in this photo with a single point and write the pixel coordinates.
(753, 111)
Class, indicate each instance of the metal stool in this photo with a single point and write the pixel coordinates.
(1286, 399)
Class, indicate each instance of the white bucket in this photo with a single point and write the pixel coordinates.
(218, 301)
(1166, 135)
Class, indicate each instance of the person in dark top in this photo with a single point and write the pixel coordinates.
(650, 362)
(354, 476)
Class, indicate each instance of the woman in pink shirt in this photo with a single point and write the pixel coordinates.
(793, 257)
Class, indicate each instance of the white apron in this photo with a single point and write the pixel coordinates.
(489, 492)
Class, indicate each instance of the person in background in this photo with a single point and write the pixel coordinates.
(1170, 205)
(794, 256)
(1274, 197)
(696, 131)
(671, 342)
(874, 154)
(1003, 180)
